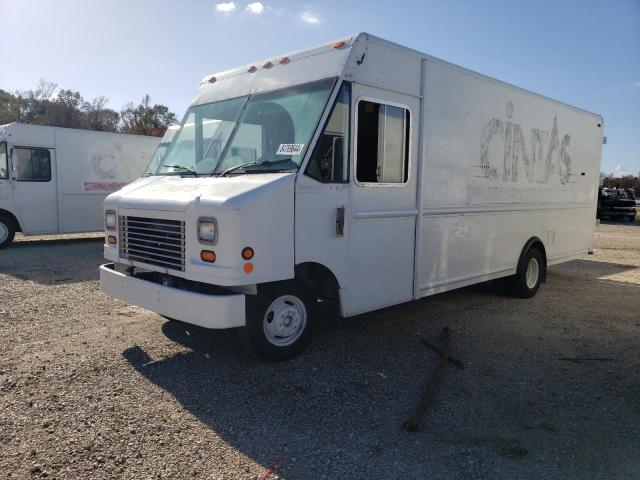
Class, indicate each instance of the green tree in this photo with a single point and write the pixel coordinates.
(145, 119)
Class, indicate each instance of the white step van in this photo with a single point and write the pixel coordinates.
(161, 149)
(359, 171)
(55, 180)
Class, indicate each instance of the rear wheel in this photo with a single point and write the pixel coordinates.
(529, 275)
(7, 231)
(279, 320)
(632, 219)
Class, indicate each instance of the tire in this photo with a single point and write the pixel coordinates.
(632, 219)
(531, 271)
(279, 320)
(7, 231)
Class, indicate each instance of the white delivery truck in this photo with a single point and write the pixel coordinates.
(361, 171)
(54, 180)
(161, 149)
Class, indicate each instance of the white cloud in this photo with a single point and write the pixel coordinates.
(309, 18)
(256, 8)
(637, 84)
(227, 7)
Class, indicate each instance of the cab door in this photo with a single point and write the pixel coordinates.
(33, 188)
(383, 206)
(322, 194)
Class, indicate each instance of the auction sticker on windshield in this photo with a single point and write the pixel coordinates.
(290, 149)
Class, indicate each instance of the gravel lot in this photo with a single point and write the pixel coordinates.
(93, 388)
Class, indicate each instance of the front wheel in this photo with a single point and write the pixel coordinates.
(7, 231)
(279, 320)
(529, 275)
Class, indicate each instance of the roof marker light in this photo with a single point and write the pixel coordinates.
(339, 44)
(209, 79)
(267, 64)
(283, 60)
(251, 68)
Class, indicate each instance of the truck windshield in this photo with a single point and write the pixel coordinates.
(265, 128)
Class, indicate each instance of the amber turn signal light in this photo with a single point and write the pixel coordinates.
(247, 253)
(112, 240)
(207, 256)
(248, 267)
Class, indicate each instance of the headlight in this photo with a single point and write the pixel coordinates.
(208, 230)
(110, 219)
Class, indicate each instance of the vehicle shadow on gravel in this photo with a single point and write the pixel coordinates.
(592, 269)
(53, 262)
(337, 410)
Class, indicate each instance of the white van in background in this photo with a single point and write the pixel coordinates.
(360, 171)
(161, 149)
(54, 180)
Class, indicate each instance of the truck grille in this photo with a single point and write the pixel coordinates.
(153, 241)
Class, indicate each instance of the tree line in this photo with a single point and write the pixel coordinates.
(49, 105)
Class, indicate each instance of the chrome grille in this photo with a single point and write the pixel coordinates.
(153, 241)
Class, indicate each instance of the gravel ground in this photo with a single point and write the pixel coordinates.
(93, 388)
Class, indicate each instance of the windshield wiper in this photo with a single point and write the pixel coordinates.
(183, 167)
(264, 163)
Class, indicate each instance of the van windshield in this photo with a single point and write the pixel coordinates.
(265, 128)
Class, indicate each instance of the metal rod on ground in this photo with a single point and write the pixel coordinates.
(414, 422)
(438, 350)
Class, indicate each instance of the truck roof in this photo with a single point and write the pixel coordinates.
(344, 58)
(8, 126)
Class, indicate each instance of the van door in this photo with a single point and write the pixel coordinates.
(33, 188)
(383, 199)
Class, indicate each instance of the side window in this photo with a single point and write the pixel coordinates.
(383, 143)
(329, 162)
(4, 165)
(32, 164)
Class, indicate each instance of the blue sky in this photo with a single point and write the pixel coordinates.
(583, 52)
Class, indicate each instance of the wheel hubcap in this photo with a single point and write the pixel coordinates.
(285, 320)
(4, 232)
(533, 270)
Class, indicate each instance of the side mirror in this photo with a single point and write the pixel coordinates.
(12, 166)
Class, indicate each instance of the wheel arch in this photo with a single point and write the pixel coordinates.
(536, 242)
(319, 278)
(11, 217)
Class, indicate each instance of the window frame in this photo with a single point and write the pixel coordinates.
(320, 131)
(24, 147)
(6, 159)
(355, 107)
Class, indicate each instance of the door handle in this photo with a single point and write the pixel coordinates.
(339, 221)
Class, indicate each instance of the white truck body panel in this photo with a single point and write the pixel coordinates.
(490, 167)
(86, 166)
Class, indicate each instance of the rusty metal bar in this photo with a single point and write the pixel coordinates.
(414, 422)
(438, 350)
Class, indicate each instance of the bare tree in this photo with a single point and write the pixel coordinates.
(45, 89)
(98, 117)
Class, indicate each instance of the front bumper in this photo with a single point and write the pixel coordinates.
(205, 310)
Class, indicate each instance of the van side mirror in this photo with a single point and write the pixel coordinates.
(12, 165)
